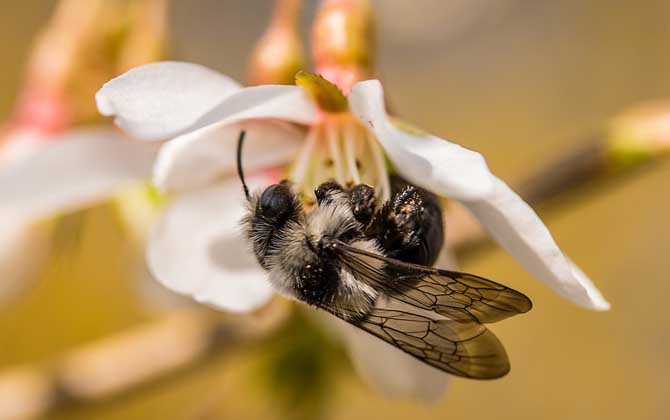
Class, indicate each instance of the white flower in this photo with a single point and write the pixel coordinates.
(44, 175)
(196, 249)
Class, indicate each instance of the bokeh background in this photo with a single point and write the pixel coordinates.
(520, 81)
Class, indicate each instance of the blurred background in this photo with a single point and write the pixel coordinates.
(520, 81)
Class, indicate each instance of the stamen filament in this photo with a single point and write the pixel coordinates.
(350, 153)
(380, 166)
(332, 136)
(304, 157)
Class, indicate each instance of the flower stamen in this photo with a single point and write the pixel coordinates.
(382, 178)
(332, 137)
(299, 171)
(342, 150)
(350, 154)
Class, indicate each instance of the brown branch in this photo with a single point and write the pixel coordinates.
(121, 362)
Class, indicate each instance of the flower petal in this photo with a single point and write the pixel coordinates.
(19, 144)
(24, 247)
(162, 100)
(450, 170)
(514, 224)
(159, 100)
(196, 249)
(74, 170)
(425, 160)
(202, 156)
(281, 102)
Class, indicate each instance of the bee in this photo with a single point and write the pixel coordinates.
(370, 266)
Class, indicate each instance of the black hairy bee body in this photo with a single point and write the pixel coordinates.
(298, 252)
(369, 264)
(296, 247)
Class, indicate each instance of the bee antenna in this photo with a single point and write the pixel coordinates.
(240, 140)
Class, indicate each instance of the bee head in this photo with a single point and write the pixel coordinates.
(277, 203)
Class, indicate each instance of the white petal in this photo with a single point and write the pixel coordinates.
(73, 171)
(425, 160)
(20, 144)
(289, 103)
(197, 249)
(514, 224)
(202, 156)
(24, 247)
(396, 373)
(159, 100)
(595, 299)
(450, 170)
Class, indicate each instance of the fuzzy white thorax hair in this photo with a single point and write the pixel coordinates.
(332, 219)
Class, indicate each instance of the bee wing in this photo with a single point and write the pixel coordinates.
(466, 349)
(435, 315)
(454, 295)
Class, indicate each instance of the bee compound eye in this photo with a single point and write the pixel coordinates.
(276, 202)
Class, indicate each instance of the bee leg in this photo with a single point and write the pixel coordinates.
(327, 191)
(409, 227)
(362, 199)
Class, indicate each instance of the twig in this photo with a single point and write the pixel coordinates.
(121, 362)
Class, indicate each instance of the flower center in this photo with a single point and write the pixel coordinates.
(340, 149)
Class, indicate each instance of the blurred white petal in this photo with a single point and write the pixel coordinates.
(18, 145)
(197, 249)
(73, 171)
(395, 372)
(518, 229)
(450, 170)
(440, 166)
(24, 247)
(200, 157)
(159, 100)
(138, 206)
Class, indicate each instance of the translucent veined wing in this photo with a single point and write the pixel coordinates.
(455, 295)
(466, 349)
(438, 314)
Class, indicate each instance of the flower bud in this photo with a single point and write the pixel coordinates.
(146, 36)
(343, 41)
(639, 134)
(278, 55)
(83, 45)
